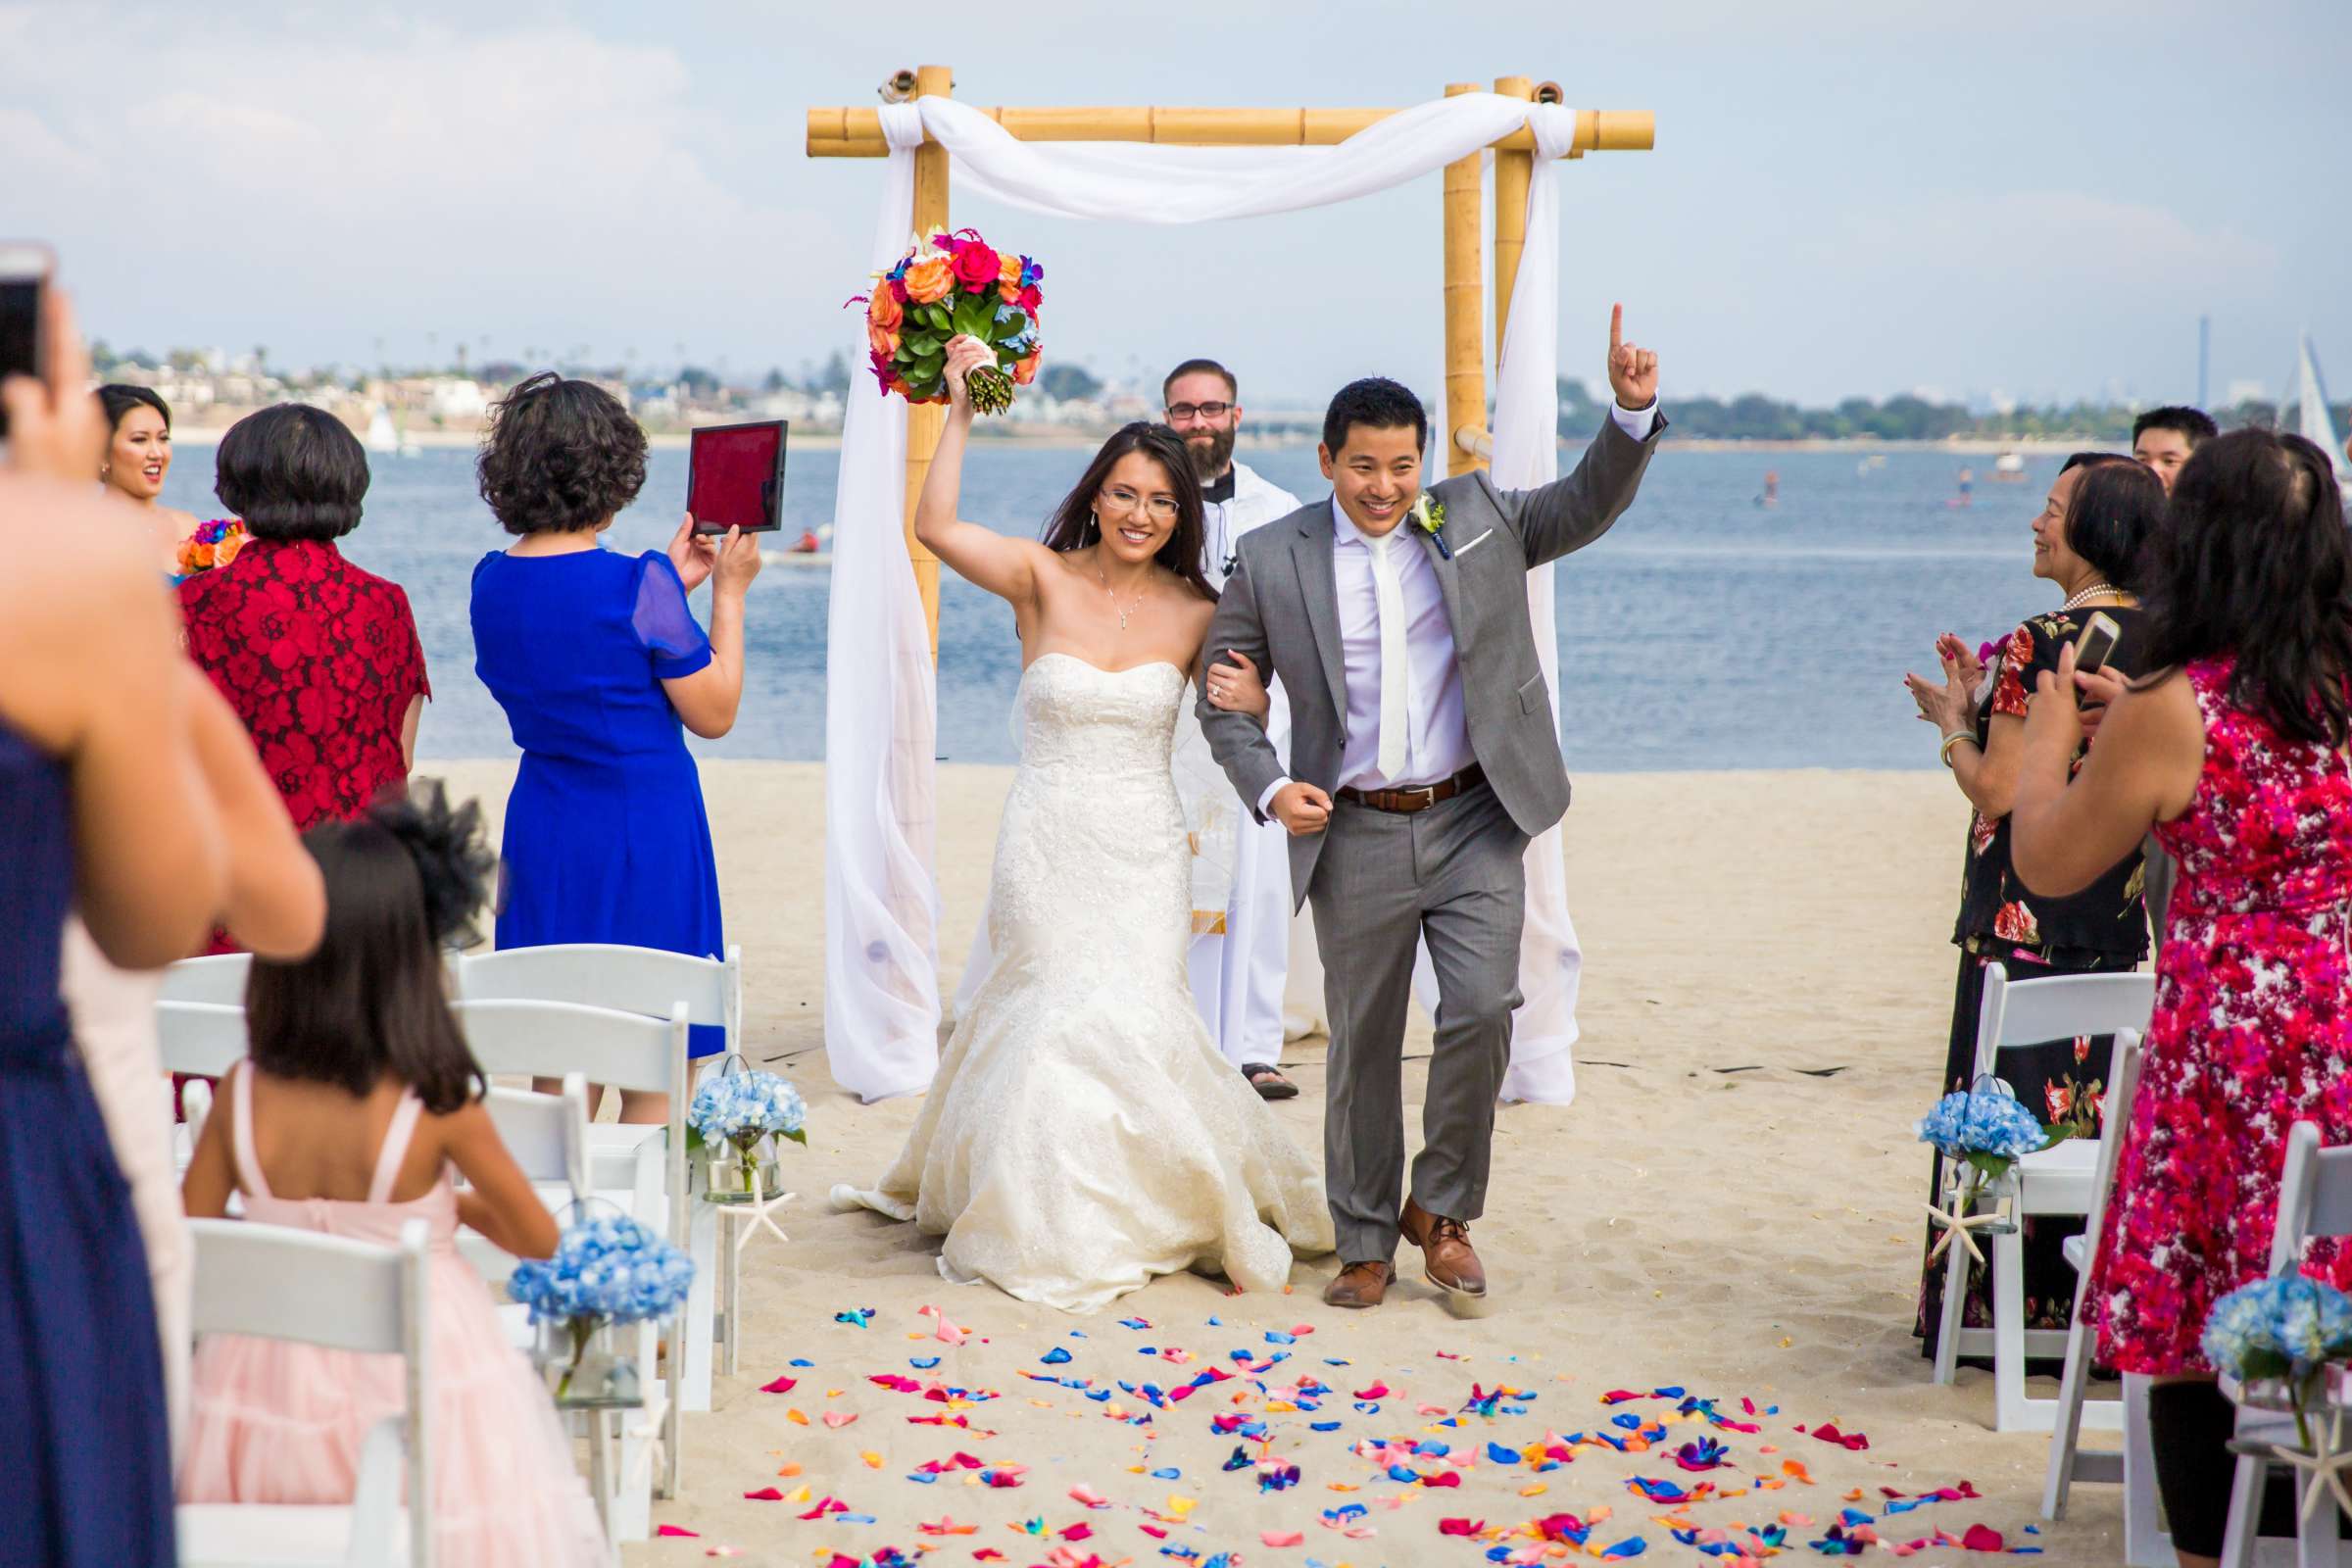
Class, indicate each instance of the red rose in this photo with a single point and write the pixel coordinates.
(976, 266)
(1031, 299)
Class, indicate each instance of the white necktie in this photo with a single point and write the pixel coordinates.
(1395, 666)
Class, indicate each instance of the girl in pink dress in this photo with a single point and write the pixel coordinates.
(359, 1098)
(2234, 745)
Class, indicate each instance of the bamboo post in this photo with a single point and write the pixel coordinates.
(923, 423)
(1514, 171)
(1465, 306)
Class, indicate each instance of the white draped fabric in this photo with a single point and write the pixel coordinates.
(881, 969)
(881, 726)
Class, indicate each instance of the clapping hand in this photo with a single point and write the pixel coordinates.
(1633, 369)
(1951, 707)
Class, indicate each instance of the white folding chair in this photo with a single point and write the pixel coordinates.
(601, 974)
(556, 1039)
(217, 978)
(650, 981)
(203, 1038)
(280, 1284)
(2057, 1181)
(548, 1136)
(2315, 1200)
(2146, 1542)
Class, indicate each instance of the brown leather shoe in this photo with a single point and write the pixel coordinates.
(1445, 1254)
(1361, 1285)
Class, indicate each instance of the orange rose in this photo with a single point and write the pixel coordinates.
(929, 280)
(194, 555)
(1009, 280)
(226, 550)
(881, 340)
(883, 309)
(1026, 372)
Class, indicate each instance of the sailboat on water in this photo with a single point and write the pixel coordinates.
(383, 437)
(2311, 420)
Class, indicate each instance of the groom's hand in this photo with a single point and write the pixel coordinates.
(1633, 369)
(1302, 807)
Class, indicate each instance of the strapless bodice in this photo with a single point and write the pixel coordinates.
(1109, 726)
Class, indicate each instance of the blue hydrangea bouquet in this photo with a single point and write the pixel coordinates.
(733, 1115)
(1988, 1132)
(2286, 1331)
(607, 1270)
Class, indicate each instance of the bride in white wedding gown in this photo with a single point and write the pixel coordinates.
(1083, 1134)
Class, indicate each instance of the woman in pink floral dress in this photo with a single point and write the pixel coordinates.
(2236, 749)
(2086, 540)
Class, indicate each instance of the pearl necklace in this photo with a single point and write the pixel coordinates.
(2087, 593)
(1133, 606)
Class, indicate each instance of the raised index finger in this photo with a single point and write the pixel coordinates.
(1616, 327)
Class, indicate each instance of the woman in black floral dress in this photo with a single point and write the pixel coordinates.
(2086, 540)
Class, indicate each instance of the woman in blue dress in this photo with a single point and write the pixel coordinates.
(601, 668)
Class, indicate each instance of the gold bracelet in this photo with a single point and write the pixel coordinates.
(1945, 756)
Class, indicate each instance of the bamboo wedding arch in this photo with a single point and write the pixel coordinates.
(857, 133)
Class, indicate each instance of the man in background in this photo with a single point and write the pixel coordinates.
(1238, 975)
(2163, 438)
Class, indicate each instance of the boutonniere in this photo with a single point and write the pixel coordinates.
(1429, 515)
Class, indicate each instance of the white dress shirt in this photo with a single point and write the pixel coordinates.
(1437, 738)
(1437, 733)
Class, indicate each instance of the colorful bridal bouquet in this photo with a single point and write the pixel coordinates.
(605, 1271)
(1986, 1130)
(213, 544)
(734, 1115)
(949, 287)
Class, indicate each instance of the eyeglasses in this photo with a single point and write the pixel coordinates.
(1182, 413)
(1122, 500)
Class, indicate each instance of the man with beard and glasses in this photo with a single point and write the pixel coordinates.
(1238, 973)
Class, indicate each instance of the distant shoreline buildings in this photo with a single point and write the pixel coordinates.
(210, 390)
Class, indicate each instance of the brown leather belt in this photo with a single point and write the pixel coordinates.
(1420, 799)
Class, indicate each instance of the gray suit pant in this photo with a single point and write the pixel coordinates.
(1457, 875)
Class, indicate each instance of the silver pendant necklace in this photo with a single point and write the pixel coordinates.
(1132, 604)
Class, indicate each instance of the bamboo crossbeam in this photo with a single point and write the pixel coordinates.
(857, 132)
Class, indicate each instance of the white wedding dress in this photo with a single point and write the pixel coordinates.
(1083, 1134)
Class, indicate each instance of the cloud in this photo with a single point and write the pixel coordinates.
(518, 183)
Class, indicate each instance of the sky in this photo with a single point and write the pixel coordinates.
(1845, 198)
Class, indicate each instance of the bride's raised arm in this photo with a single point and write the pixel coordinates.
(1005, 567)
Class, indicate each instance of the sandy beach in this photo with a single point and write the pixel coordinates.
(1731, 1208)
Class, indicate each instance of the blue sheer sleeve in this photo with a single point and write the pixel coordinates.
(671, 636)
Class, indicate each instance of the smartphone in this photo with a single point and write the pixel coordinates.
(25, 269)
(2098, 642)
(735, 476)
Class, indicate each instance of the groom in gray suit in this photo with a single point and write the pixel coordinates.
(1423, 758)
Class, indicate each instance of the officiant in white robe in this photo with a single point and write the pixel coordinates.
(1242, 946)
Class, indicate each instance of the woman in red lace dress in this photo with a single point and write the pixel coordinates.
(320, 659)
(2236, 749)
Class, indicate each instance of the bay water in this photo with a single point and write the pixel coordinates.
(1705, 631)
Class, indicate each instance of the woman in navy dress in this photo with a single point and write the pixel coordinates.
(602, 667)
(103, 809)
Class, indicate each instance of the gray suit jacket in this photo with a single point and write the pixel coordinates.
(1280, 607)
